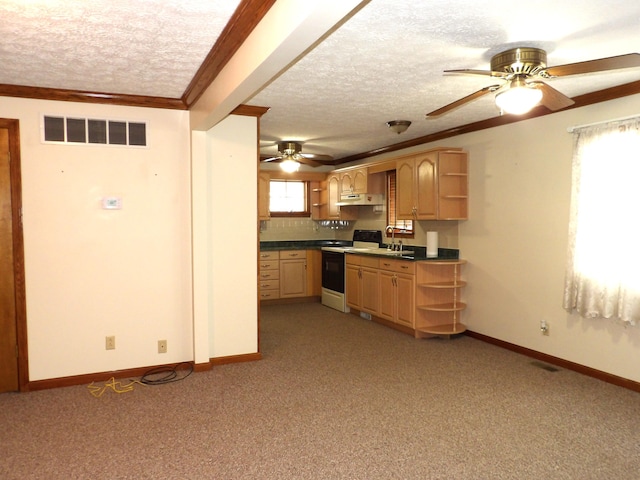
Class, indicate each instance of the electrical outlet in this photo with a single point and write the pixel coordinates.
(544, 327)
(110, 343)
(162, 346)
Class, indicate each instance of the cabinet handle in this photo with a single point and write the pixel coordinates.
(404, 266)
(265, 275)
(264, 255)
(292, 254)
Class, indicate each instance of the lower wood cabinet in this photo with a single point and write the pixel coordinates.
(397, 291)
(290, 274)
(422, 296)
(269, 275)
(293, 273)
(362, 283)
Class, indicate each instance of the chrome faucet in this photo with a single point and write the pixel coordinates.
(393, 237)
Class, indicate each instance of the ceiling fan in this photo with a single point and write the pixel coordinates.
(290, 156)
(523, 69)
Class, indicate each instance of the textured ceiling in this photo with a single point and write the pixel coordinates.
(150, 47)
(385, 63)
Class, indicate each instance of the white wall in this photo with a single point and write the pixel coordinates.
(232, 152)
(516, 240)
(92, 272)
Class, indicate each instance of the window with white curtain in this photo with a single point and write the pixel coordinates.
(603, 270)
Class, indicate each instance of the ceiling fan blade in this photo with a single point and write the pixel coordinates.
(307, 161)
(318, 157)
(552, 98)
(600, 65)
(463, 100)
(271, 159)
(470, 71)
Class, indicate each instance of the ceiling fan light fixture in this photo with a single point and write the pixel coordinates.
(519, 98)
(289, 165)
(398, 126)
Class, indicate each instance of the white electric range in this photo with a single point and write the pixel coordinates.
(333, 267)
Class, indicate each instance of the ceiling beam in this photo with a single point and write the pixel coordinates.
(287, 31)
(248, 14)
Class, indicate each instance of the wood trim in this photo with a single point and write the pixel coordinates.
(90, 97)
(93, 377)
(247, 357)
(250, 111)
(13, 127)
(248, 14)
(576, 367)
(580, 101)
(201, 367)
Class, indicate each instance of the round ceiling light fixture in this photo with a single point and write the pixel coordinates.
(398, 126)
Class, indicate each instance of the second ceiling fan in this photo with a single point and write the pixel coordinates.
(290, 156)
(523, 69)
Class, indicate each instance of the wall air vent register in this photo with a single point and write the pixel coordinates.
(72, 130)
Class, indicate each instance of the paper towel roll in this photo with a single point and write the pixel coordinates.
(432, 244)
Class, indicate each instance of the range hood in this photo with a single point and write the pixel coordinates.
(361, 199)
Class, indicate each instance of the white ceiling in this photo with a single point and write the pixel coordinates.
(385, 63)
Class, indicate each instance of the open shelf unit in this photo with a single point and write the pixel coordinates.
(438, 303)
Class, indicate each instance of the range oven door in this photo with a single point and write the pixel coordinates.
(333, 271)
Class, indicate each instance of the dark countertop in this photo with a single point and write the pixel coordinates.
(420, 253)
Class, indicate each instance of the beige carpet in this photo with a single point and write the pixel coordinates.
(335, 397)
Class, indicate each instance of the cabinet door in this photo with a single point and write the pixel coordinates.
(426, 192)
(405, 180)
(405, 299)
(346, 183)
(352, 287)
(333, 196)
(360, 181)
(386, 307)
(293, 278)
(263, 196)
(314, 272)
(370, 290)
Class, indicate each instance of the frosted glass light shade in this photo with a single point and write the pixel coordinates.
(518, 100)
(289, 166)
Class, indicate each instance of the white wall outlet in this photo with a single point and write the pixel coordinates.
(110, 343)
(162, 346)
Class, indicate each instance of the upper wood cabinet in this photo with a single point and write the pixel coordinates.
(361, 180)
(263, 196)
(432, 185)
(354, 181)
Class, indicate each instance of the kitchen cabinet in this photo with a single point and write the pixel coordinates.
(362, 283)
(269, 275)
(397, 291)
(319, 200)
(438, 291)
(334, 212)
(293, 273)
(314, 273)
(263, 196)
(432, 185)
(354, 181)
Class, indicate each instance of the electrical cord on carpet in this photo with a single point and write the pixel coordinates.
(155, 376)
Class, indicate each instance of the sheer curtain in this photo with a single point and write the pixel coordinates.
(603, 269)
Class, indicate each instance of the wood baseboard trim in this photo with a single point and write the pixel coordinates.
(93, 377)
(248, 357)
(559, 362)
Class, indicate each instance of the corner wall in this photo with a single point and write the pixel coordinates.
(92, 272)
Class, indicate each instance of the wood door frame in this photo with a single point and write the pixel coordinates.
(13, 127)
